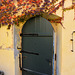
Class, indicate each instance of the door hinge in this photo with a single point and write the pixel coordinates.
(28, 52)
(55, 57)
(20, 63)
(35, 35)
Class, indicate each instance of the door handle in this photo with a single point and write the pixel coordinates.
(20, 62)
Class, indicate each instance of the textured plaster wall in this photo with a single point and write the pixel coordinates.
(68, 57)
(7, 62)
(65, 57)
(6, 37)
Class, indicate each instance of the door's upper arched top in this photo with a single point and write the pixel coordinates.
(38, 25)
(50, 17)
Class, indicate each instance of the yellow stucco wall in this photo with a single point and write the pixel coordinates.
(65, 57)
(68, 62)
(6, 37)
(7, 62)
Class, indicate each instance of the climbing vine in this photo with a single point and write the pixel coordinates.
(15, 11)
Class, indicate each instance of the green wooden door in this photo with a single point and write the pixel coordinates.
(37, 39)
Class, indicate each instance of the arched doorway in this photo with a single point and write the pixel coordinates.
(37, 47)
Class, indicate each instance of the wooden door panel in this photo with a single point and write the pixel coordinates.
(37, 64)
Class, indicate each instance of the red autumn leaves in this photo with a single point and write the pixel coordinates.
(9, 10)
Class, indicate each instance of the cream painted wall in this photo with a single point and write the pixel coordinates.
(7, 62)
(68, 57)
(6, 37)
(65, 57)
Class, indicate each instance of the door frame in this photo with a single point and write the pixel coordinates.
(37, 35)
(54, 53)
(19, 39)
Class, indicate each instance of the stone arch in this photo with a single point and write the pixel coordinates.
(50, 17)
(53, 19)
(30, 28)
